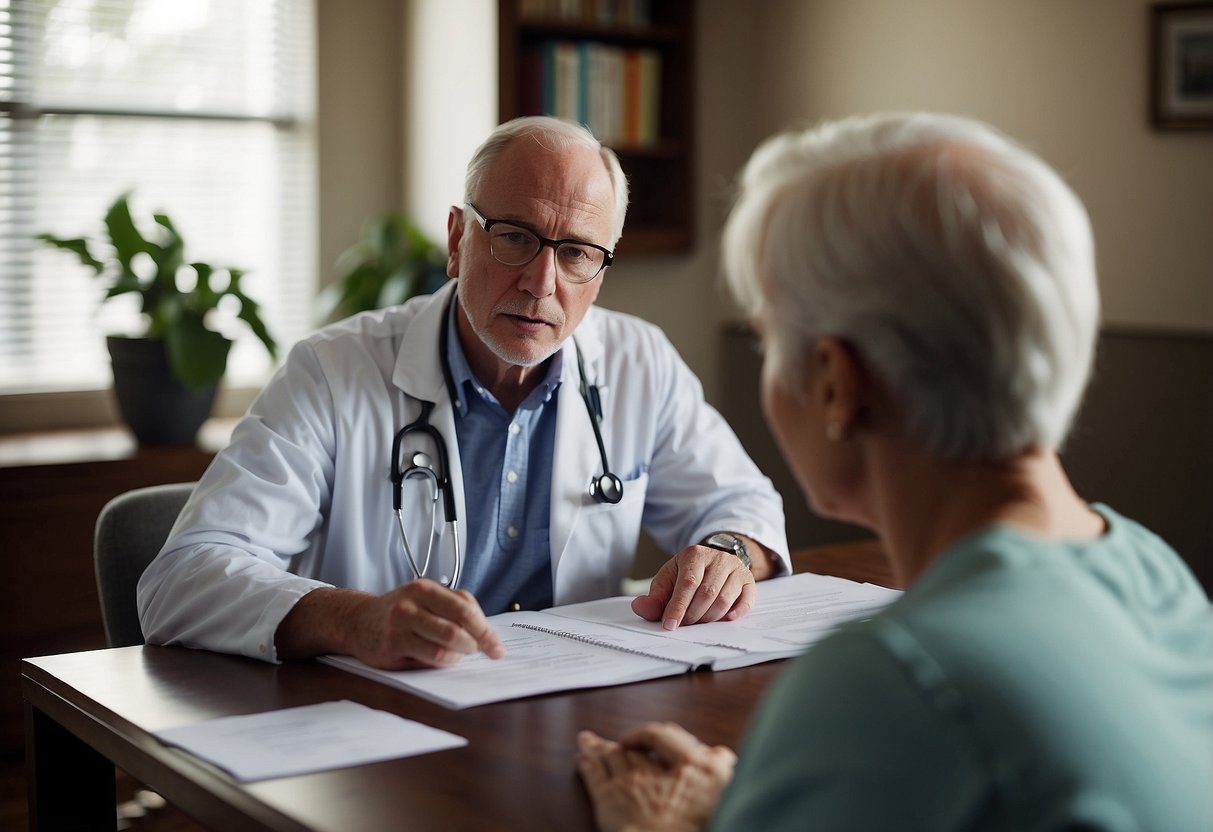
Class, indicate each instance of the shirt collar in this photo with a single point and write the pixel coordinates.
(466, 382)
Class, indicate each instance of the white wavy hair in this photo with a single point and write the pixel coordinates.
(957, 264)
(553, 134)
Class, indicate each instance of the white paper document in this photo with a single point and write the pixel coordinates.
(603, 642)
(791, 613)
(309, 738)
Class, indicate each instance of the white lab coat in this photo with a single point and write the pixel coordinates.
(301, 497)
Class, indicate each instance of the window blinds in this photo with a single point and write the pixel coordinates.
(200, 109)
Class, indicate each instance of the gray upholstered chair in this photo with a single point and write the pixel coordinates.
(131, 528)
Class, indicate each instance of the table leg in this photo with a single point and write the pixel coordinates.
(70, 785)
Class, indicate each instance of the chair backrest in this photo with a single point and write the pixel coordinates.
(131, 529)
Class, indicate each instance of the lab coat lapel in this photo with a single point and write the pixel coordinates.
(576, 458)
(418, 370)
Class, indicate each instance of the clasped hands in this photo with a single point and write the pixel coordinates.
(656, 777)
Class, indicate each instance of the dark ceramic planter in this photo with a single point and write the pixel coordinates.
(158, 409)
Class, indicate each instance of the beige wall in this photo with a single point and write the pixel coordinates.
(1068, 78)
(359, 119)
(450, 101)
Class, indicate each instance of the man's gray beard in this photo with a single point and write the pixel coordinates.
(502, 353)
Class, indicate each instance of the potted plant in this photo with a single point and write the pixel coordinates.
(165, 381)
(392, 262)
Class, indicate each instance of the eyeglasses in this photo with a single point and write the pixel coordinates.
(513, 245)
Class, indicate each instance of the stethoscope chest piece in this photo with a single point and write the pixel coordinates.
(606, 488)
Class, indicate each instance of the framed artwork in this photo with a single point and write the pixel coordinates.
(1181, 66)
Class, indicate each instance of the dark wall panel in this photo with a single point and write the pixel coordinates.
(1142, 443)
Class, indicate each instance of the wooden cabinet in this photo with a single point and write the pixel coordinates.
(52, 486)
(658, 162)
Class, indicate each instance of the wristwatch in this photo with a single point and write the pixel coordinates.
(730, 543)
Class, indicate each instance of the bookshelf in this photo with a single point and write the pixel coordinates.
(626, 47)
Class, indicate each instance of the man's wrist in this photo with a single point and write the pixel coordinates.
(763, 562)
(321, 621)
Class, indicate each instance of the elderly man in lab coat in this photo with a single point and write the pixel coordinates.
(552, 450)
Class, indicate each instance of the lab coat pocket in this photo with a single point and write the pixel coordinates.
(602, 544)
(614, 528)
(635, 486)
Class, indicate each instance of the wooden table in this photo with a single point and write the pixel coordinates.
(86, 712)
(860, 560)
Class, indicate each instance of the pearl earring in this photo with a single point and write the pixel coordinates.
(834, 431)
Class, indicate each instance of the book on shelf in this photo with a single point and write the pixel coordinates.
(628, 13)
(614, 91)
(603, 643)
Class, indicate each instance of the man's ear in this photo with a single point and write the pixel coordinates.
(835, 376)
(454, 233)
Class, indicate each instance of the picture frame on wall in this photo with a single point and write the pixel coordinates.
(1181, 66)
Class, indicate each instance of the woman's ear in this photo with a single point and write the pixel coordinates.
(454, 234)
(835, 378)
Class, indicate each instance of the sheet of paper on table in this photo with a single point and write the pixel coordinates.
(309, 738)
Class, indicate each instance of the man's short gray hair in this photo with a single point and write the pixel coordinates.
(554, 134)
(957, 264)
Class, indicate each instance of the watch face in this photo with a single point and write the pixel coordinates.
(726, 542)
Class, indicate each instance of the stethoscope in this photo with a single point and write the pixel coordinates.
(605, 488)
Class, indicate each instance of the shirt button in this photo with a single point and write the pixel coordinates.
(512, 532)
(512, 476)
(515, 428)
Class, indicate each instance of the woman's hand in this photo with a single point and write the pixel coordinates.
(657, 777)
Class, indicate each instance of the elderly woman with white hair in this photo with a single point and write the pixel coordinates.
(925, 292)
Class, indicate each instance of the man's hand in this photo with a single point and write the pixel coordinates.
(658, 777)
(419, 624)
(698, 585)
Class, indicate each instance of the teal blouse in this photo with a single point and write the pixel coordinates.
(1019, 684)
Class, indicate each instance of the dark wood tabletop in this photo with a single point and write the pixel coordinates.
(516, 771)
(89, 711)
(859, 560)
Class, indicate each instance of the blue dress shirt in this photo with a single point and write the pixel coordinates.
(507, 486)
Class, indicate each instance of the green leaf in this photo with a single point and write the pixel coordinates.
(197, 355)
(169, 255)
(124, 236)
(249, 313)
(399, 286)
(204, 297)
(77, 246)
(163, 310)
(124, 282)
(389, 264)
(418, 242)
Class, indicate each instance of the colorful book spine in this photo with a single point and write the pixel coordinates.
(615, 92)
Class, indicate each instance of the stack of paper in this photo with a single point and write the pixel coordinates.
(306, 739)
